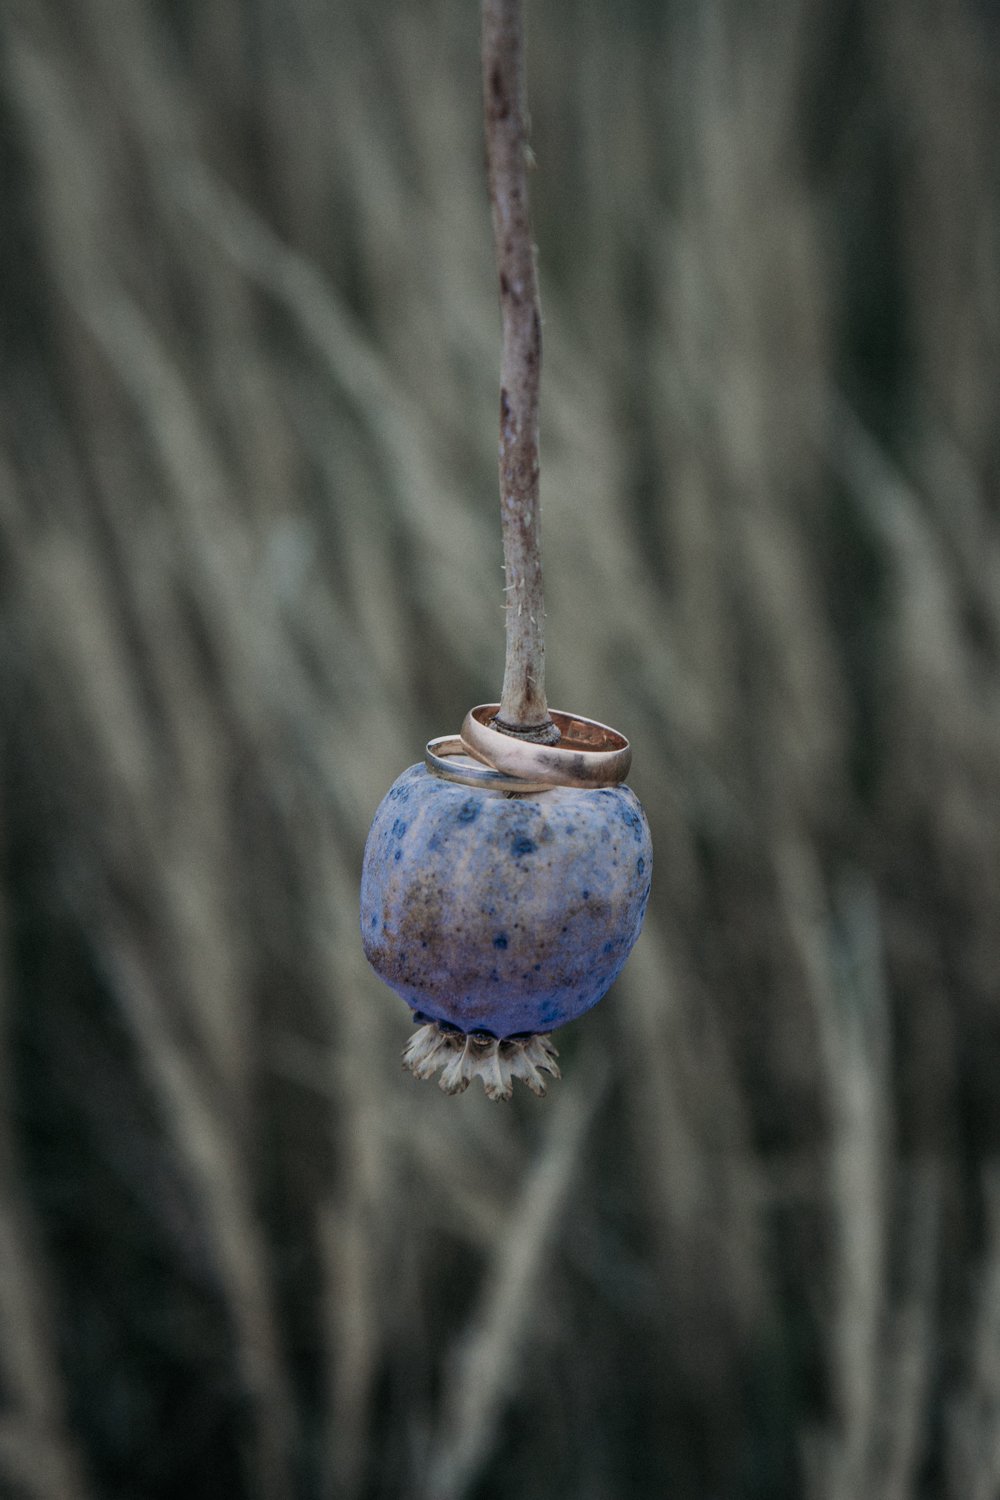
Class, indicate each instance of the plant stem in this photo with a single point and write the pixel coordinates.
(523, 709)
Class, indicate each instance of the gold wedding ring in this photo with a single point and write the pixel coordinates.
(588, 754)
(439, 758)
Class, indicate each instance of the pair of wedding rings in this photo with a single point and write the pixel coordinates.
(587, 754)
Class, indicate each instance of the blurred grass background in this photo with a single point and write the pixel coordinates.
(250, 562)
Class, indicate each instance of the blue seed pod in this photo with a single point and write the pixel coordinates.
(501, 917)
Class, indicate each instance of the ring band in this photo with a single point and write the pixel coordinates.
(438, 753)
(588, 754)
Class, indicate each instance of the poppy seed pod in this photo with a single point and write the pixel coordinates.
(498, 918)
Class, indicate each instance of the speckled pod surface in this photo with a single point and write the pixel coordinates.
(503, 914)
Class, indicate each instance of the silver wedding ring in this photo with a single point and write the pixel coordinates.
(439, 759)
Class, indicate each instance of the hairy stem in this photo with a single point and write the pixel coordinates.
(523, 708)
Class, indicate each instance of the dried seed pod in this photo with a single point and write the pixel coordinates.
(500, 917)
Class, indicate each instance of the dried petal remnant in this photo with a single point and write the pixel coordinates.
(497, 1061)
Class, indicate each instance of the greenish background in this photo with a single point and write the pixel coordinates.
(250, 562)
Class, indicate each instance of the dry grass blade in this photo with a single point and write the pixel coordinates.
(210, 1152)
(851, 1024)
(910, 1339)
(974, 1429)
(488, 1352)
(37, 1454)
